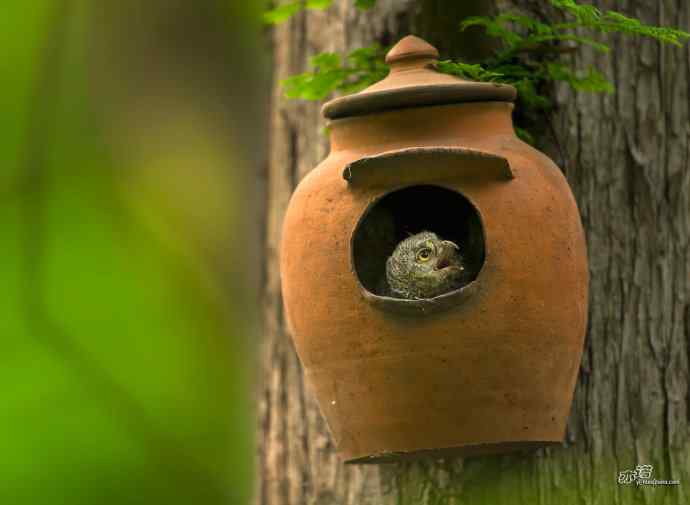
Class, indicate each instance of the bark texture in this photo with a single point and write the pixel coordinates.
(627, 158)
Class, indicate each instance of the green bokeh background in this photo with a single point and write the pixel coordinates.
(126, 311)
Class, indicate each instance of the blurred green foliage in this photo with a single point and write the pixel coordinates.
(126, 362)
(281, 12)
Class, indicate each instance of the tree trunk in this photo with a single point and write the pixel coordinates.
(626, 158)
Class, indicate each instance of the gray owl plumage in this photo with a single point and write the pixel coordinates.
(423, 266)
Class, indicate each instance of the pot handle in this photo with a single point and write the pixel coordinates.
(426, 164)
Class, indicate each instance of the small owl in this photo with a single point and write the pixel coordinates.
(423, 266)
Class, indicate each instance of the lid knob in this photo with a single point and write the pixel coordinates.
(409, 49)
(415, 81)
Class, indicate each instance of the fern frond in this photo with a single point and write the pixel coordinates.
(584, 13)
(529, 23)
(593, 81)
(475, 72)
(599, 46)
(494, 29)
(588, 16)
(530, 96)
(616, 22)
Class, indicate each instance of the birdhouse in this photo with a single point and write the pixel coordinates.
(486, 364)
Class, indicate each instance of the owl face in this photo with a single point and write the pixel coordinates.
(424, 266)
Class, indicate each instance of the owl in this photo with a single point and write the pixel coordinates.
(423, 266)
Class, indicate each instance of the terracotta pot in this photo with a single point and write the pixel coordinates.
(487, 368)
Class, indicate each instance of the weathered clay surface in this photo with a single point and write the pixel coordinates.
(492, 373)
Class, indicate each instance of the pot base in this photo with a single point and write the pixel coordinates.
(464, 451)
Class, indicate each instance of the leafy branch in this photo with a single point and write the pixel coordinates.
(530, 57)
(361, 68)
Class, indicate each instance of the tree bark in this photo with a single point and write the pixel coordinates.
(626, 158)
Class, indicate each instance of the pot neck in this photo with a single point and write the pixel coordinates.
(464, 123)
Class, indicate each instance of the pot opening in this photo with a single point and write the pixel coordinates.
(408, 211)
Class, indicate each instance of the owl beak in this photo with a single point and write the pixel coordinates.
(447, 254)
(448, 243)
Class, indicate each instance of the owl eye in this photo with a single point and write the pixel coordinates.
(424, 255)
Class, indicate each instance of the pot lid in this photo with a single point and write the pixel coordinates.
(413, 81)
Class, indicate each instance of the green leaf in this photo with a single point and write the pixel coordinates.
(524, 135)
(366, 56)
(514, 72)
(361, 68)
(282, 13)
(313, 86)
(616, 22)
(527, 22)
(326, 61)
(599, 46)
(530, 97)
(475, 72)
(584, 13)
(493, 28)
(593, 81)
(318, 4)
(588, 16)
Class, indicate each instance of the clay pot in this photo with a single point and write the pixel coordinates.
(487, 368)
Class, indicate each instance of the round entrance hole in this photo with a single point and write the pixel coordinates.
(408, 211)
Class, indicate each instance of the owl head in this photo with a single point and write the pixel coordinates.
(424, 266)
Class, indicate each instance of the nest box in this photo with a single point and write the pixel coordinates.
(489, 367)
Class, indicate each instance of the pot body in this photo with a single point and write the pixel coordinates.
(494, 371)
